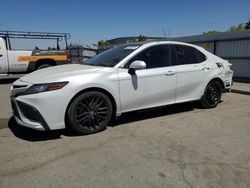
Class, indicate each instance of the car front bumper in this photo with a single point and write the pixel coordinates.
(28, 116)
(40, 111)
(228, 79)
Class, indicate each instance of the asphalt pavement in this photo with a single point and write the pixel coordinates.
(176, 146)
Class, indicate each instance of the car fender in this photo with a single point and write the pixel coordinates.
(112, 91)
(215, 76)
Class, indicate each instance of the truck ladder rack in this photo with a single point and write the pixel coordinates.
(34, 35)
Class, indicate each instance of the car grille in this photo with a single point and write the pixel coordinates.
(18, 89)
(19, 86)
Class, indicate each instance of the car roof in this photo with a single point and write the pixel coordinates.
(152, 43)
(155, 42)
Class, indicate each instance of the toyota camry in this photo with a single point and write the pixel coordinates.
(129, 77)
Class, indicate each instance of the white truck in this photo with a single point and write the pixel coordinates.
(25, 61)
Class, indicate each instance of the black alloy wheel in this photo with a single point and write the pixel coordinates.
(212, 95)
(90, 112)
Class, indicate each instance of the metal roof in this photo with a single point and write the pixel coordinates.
(194, 38)
(215, 37)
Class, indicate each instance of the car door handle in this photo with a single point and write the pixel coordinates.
(170, 73)
(1, 55)
(205, 68)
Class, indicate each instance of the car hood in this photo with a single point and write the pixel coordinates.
(58, 73)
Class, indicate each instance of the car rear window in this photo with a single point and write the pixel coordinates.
(188, 55)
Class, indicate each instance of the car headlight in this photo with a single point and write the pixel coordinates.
(38, 88)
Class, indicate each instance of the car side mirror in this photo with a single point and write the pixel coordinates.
(137, 65)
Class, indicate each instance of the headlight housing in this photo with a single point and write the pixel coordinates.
(38, 88)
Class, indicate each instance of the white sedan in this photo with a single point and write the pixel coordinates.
(85, 97)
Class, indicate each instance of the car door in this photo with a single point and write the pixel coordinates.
(3, 57)
(18, 60)
(153, 86)
(191, 72)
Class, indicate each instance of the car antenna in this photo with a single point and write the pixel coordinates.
(169, 33)
(165, 35)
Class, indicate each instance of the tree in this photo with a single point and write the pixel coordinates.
(247, 25)
(36, 48)
(74, 45)
(103, 43)
(49, 48)
(141, 38)
(211, 32)
(235, 28)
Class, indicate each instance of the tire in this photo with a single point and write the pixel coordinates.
(212, 95)
(90, 112)
(43, 66)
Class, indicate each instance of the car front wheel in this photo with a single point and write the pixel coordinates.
(212, 95)
(90, 112)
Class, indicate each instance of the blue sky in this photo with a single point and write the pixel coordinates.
(90, 21)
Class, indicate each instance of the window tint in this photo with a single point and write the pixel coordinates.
(200, 56)
(187, 55)
(154, 57)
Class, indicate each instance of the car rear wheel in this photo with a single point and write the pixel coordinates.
(90, 112)
(212, 95)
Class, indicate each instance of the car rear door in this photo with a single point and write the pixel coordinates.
(191, 72)
(150, 87)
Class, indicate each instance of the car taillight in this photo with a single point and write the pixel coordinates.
(68, 56)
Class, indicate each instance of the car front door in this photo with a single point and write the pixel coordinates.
(3, 57)
(191, 72)
(150, 87)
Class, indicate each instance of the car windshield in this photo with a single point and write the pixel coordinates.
(112, 56)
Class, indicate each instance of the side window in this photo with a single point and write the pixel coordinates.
(154, 57)
(187, 55)
(200, 56)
